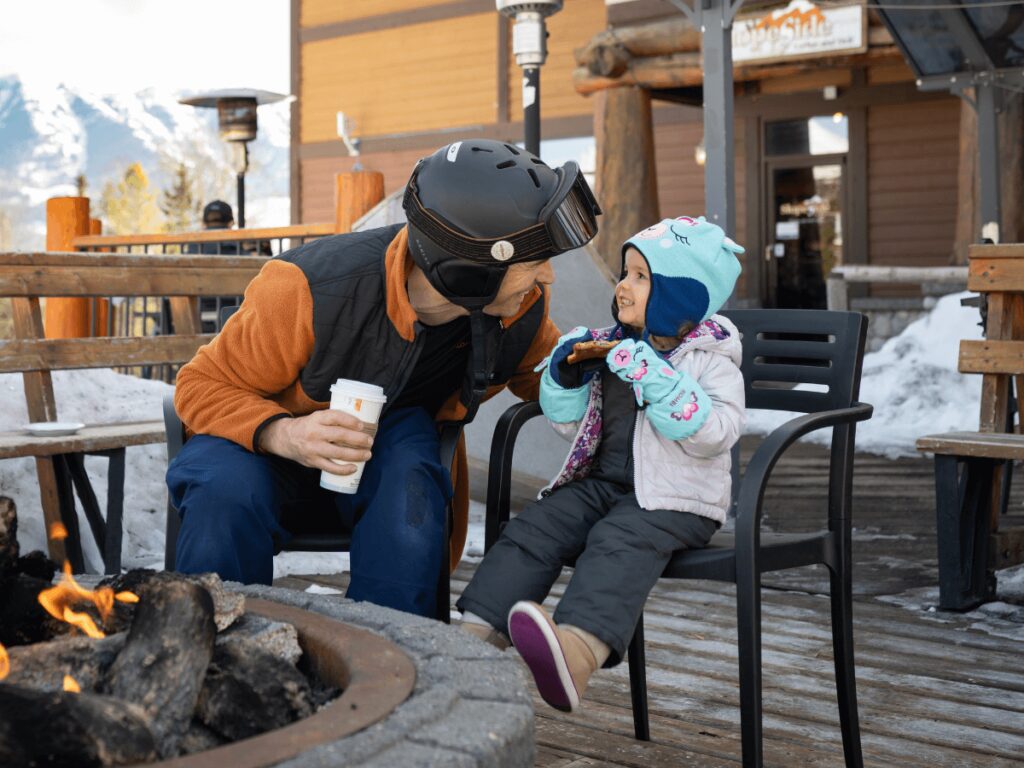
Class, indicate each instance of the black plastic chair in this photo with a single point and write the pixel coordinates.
(781, 348)
(327, 541)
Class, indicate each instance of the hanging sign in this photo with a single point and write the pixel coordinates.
(801, 30)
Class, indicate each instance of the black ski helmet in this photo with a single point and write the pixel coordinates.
(477, 206)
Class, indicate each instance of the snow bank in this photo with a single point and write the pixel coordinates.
(913, 383)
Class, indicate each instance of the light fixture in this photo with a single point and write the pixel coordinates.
(529, 44)
(700, 154)
(838, 117)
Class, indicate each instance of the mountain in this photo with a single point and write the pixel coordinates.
(48, 136)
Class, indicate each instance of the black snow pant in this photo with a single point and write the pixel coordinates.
(617, 548)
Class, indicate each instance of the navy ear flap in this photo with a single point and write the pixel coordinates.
(674, 301)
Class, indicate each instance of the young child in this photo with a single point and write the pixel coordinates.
(648, 471)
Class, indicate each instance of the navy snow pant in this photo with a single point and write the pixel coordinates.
(619, 550)
(237, 508)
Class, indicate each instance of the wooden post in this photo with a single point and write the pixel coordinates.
(627, 184)
(101, 307)
(356, 192)
(66, 219)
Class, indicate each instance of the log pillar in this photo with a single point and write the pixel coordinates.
(66, 219)
(627, 181)
(356, 192)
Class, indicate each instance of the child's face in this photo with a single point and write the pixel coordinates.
(632, 290)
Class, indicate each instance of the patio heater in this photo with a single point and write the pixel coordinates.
(529, 44)
(236, 123)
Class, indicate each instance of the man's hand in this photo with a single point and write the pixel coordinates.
(314, 440)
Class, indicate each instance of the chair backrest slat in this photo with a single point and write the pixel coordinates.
(786, 347)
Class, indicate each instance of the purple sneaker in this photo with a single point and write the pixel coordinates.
(535, 636)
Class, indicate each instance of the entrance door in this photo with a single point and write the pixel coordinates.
(805, 239)
(804, 165)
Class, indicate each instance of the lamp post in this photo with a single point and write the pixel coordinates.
(236, 123)
(529, 44)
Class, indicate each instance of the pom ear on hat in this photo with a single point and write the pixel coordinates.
(693, 271)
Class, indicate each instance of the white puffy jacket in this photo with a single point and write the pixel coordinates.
(690, 475)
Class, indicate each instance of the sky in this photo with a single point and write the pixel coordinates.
(123, 46)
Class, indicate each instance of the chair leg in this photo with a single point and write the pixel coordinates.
(841, 594)
(748, 621)
(638, 682)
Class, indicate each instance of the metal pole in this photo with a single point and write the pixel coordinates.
(720, 165)
(531, 109)
(241, 200)
(988, 159)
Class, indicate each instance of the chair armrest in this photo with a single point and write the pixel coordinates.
(499, 472)
(175, 429)
(755, 479)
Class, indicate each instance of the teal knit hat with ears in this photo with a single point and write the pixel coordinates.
(693, 271)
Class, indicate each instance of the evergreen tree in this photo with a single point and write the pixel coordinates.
(180, 203)
(129, 207)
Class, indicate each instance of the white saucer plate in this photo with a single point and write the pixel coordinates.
(54, 428)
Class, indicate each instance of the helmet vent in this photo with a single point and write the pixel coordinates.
(506, 164)
(538, 161)
(533, 175)
(512, 149)
(482, 149)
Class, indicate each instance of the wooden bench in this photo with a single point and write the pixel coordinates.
(25, 278)
(973, 469)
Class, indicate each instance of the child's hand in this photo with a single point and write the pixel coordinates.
(637, 364)
(570, 375)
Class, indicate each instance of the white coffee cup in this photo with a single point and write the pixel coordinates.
(364, 401)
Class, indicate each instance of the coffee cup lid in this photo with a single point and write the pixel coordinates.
(359, 388)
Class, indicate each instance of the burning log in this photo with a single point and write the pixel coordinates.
(227, 606)
(22, 619)
(43, 665)
(69, 730)
(248, 691)
(164, 661)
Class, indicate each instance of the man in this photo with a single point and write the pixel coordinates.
(218, 215)
(441, 313)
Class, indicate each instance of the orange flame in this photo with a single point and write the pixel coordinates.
(58, 532)
(71, 685)
(5, 662)
(57, 601)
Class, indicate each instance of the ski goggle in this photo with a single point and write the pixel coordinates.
(567, 221)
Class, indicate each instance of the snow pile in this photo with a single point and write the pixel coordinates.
(913, 383)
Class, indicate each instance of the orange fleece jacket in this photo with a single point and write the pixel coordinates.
(250, 371)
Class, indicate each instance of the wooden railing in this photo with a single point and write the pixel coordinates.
(278, 238)
(149, 315)
(840, 278)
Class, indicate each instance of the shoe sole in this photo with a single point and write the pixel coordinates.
(538, 645)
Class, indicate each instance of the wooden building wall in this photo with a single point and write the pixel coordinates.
(414, 75)
(912, 182)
